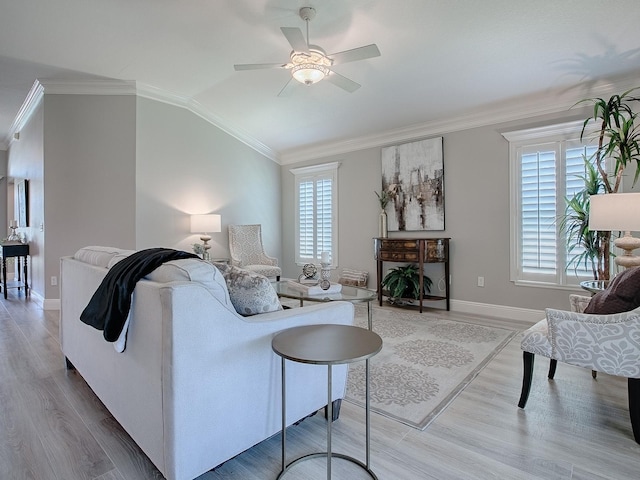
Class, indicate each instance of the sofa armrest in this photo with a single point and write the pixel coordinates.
(222, 366)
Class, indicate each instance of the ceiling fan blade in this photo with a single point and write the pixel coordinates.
(360, 53)
(342, 82)
(296, 39)
(258, 66)
(287, 90)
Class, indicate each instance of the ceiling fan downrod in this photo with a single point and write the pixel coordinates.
(307, 14)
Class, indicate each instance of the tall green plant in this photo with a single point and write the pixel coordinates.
(585, 244)
(618, 137)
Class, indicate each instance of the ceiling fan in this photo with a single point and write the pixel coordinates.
(309, 63)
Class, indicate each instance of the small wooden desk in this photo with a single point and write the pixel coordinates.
(18, 250)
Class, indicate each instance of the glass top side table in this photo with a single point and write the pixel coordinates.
(594, 286)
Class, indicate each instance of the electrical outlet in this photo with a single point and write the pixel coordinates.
(481, 281)
(54, 281)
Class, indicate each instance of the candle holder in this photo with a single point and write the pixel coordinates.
(325, 275)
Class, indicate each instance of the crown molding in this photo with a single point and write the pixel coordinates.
(88, 87)
(548, 102)
(122, 87)
(195, 107)
(31, 102)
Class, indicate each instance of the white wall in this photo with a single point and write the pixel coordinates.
(186, 166)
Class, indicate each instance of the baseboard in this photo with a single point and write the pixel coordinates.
(51, 304)
(525, 315)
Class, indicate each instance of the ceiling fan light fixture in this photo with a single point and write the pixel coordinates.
(309, 73)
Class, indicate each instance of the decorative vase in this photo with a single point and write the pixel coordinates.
(382, 225)
(325, 276)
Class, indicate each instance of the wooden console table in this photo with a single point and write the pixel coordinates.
(413, 250)
(18, 250)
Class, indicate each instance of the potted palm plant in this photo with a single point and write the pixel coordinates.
(403, 283)
(582, 243)
(617, 134)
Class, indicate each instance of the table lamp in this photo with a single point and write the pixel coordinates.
(618, 211)
(205, 224)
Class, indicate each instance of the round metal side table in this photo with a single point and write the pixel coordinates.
(326, 345)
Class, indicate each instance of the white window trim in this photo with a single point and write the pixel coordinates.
(308, 172)
(517, 140)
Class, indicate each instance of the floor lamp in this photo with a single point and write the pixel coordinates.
(618, 212)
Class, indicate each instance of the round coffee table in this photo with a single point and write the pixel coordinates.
(326, 345)
(347, 294)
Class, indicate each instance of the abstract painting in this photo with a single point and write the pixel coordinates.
(413, 176)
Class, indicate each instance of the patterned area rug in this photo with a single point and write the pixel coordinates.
(424, 364)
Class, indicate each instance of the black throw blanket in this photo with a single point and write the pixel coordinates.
(109, 307)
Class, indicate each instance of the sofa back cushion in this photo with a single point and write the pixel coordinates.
(185, 270)
(100, 256)
(193, 270)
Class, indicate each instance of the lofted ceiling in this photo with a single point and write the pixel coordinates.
(441, 60)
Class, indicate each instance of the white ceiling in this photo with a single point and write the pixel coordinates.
(442, 60)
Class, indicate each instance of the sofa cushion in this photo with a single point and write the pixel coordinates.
(622, 294)
(250, 292)
(193, 270)
(119, 256)
(98, 256)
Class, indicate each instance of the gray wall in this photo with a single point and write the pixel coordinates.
(26, 161)
(4, 220)
(125, 171)
(89, 175)
(186, 166)
(476, 170)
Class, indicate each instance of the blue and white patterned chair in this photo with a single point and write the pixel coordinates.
(603, 343)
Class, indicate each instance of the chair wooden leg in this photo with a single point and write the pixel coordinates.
(527, 360)
(634, 406)
(594, 374)
(552, 368)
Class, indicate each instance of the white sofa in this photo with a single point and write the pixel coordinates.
(197, 383)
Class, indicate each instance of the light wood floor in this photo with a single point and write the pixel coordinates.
(52, 427)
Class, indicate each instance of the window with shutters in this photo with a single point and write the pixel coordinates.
(546, 166)
(316, 210)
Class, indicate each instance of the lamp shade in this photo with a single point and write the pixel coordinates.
(210, 223)
(615, 211)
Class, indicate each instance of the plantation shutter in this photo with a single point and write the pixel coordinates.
(539, 211)
(306, 219)
(316, 213)
(574, 181)
(324, 216)
(547, 166)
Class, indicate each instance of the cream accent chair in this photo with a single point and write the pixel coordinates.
(247, 251)
(602, 343)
